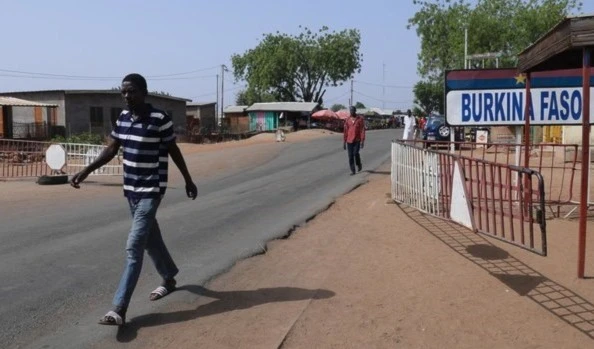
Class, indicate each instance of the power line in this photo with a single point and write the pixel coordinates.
(184, 78)
(337, 98)
(84, 77)
(100, 79)
(381, 100)
(382, 85)
(186, 73)
(213, 93)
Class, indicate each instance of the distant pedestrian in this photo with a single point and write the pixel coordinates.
(354, 139)
(146, 135)
(422, 124)
(409, 126)
(280, 135)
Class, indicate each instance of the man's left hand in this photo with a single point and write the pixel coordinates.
(362, 145)
(191, 190)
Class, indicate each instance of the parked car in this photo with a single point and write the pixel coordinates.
(436, 129)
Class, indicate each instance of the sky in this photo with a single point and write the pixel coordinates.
(180, 45)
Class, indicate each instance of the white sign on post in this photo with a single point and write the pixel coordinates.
(559, 106)
(55, 157)
(482, 136)
(497, 97)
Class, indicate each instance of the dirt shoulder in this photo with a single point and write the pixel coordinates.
(369, 274)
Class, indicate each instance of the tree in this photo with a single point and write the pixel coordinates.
(506, 26)
(337, 107)
(300, 67)
(417, 112)
(359, 105)
(429, 96)
(160, 93)
(250, 96)
(503, 26)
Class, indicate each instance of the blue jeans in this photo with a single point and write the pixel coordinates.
(144, 234)
(354, 156)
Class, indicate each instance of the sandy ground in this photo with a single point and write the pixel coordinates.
(368, 273)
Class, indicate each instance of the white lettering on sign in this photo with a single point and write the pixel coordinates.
(507, 107)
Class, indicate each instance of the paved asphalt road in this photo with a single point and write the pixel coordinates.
(59, 267)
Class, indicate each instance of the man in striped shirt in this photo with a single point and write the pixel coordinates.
(147, 138)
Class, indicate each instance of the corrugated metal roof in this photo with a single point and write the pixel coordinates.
(235, 109)
(200, 104)
(366, 111)
(360, 111)
(381, 111)
(17, 102)
(560, 47)
(283, 106)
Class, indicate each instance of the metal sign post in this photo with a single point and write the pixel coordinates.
(584, 189)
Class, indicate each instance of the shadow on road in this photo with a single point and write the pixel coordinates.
(379, 172)
(557, 299)
(224, 301)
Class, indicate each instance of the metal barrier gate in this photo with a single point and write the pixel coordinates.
(82, 155)
(27, 159)
(502, 201)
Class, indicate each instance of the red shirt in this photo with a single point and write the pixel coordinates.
(422, 123)
(354, 130)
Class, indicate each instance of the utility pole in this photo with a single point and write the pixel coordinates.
(465, 48)
(223, 70)
(217, 104)
(384, 86)
(351, 102)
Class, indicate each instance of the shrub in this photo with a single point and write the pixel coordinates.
(83, 138)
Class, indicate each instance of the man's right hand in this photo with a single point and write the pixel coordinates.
(191, 190)
(78, 178)
(344, 146)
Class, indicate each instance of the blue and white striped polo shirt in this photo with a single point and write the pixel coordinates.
(144, 142)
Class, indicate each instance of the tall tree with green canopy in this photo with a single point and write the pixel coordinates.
(337, 107)
(300, 67)
(250, 96)
(429, 97)
(504, 26)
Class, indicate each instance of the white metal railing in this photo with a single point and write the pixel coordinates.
(81, 155)
(475, 193)
(20, 158)
(416, 178)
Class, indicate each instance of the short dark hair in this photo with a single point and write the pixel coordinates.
(136, 79)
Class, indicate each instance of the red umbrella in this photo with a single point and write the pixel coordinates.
(343, 114)
(324, 114)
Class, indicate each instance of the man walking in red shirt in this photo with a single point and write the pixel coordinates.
(354, 139)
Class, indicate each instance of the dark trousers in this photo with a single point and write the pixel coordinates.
(354, 157)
